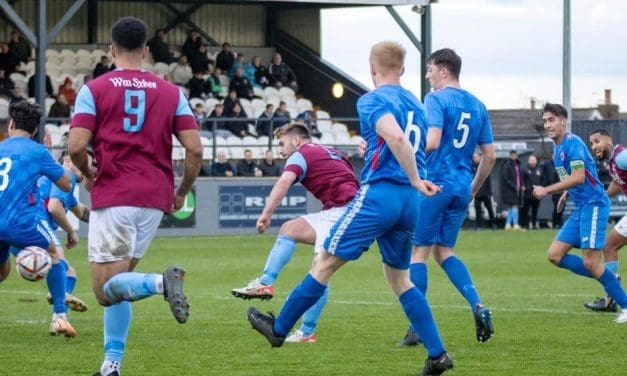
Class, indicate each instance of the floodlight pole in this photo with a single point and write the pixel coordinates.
(425, 36)
(566, 69)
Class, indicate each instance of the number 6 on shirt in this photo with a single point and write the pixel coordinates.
(135, 107)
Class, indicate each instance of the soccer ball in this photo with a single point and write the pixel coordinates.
(33, 263)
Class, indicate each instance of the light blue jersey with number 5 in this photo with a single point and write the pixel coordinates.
(410, 114)
(465, 124)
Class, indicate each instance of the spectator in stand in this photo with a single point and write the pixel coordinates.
(268, 166)
(248, 167)
(266, 126)
(198, 86)
(16, 96)
(190, 47)
(483, 196)
(281, 115)
(6, 85)
(214, 81)
(238, 125)
(281, 74)
(20, 47)
(31, 86)
(222, 167)
(182, 72)
(86, 79)
(199, 113)
(310, 119)
(199, 61)
(221, 125)
(237, 64)
(532, 176)
(8, 60)
(159, 49)
(60, 108)
(230, 101)
(259, 73)
(511, 189)
(225, 58)
(550, 176)
(241, 85)
(68, 90)
(102, 67)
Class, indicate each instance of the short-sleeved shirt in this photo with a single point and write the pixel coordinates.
(619, 176)
(326, 173)
(132, 115)
(572, 154)
(48, 191)
(465, 124)
(409, 113)
(22, 163)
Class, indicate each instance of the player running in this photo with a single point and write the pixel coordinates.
(586, 226)
(328, 175)
(130, 116)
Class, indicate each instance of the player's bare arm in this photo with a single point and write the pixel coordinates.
(57, 211)
(65, 182)
(190, 139)
(488, 159)
(81, 212)
(577, 177)
(434, 136)
(279, 191)
(77, 147)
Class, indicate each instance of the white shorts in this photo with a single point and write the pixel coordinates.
(121, 232)
(621, 226)
(322, 222)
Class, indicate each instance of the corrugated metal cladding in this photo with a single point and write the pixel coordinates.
(303, 24)
(74, 31)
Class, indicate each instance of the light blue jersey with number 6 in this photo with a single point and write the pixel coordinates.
(465, 124)
(380, 163)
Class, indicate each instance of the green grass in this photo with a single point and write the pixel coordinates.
(541, 325)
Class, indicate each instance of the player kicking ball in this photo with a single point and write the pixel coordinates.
(328, 175)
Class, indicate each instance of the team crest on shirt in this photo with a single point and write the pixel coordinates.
(562, 156)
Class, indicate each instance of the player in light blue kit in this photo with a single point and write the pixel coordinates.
(587, 224)
(22, 163)
(458, 124)
(393, 122)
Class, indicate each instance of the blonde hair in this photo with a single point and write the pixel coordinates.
(388, 57)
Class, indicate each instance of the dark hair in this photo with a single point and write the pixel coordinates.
(226, 44)
(25, 115)
(556, 109)
(512, 152)
(129, 34)
(601, 131)
(269, 105)
(448, 59)
(248, 151)
(296, 128)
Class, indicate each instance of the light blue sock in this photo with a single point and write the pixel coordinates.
(515, 216)
(419, 275)
(117, 322)
(613, 288)
(312, 316)
(510, 217)
(421, 318)
(279, 256)
(575, 265)
(56, 285)
(300, 300)
(131, 287)
(459, 275)
(612, 266)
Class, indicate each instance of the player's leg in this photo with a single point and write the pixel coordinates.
(535, 205)
(74, 303)
(478, 212)
(567, 238)
(487, 201)
(5, 261)
(295, 231)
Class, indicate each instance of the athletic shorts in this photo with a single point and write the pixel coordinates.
(384, 212)
(38, 234)
(322, 222)
(121, 232)
(621, 226)
(440, 218)
(586, 226)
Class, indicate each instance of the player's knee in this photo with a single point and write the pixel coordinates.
(288, 229)
(591, 263)
(555, 258)
(102, 299)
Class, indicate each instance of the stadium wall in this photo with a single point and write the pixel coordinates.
(302, 24)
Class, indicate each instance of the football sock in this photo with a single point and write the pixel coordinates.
(132, 286)
(419, 314)
(117, 322)
(515, 216)
(575, 264)
(108, 367)
(419, 275)
(312, 316)
(56, 285)
(70, 284)
(300, 300)
(279, 256)
(612, 266)
(459, 275)
(613, 288)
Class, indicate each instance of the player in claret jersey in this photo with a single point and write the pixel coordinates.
(616, 156)
(329, 176)
(585, 228)
(130, 115)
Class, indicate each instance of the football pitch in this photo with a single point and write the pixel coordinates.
(541, 325)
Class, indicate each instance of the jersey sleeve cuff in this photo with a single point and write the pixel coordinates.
(86, 121)
(185, 123)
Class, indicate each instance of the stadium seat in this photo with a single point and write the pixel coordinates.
(274, 99)
(206, 141)
(98, 53)
(356, 140)
(66, 52)
(210, 104)
(51, 52)
(262, 141)
(246, 106)
(220, 141)
(234, 140)
(82, 52)
(342, 139)
(161, 69)
(224, 81)
(55, 59)
(293, 111)
(339, 128)
(64, 128)
(258, 92)
(322, 115)
(304, 104)
(286, 91)
(175, 141)
(49, 102)
(249, 141)
(315, 140)
(4, 108)
(324, 125)
(258, 103)
(236, 152)
(271, 91)
(327, 139)
(257, 112)
(194, 101)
